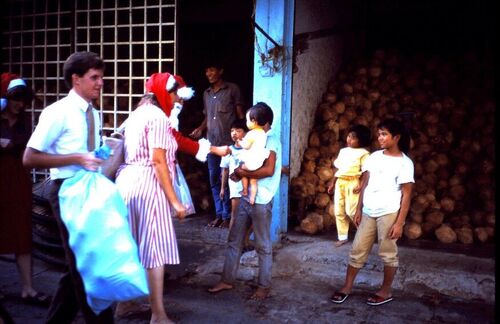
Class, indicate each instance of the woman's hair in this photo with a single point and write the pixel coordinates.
(362, 133)
(20, 93)
(149, 97)
(79, 63)
(239, 124)
(396, 127)
(261, 113)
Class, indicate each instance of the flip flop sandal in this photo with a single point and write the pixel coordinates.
(339, 297)
(376, 300)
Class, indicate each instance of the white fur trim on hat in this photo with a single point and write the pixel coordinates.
(15, 83)
(170, 83)
(203, 150)
(185, 93)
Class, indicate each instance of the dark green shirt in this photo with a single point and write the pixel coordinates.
(220, 109)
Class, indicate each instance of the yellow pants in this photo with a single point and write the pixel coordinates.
(345, 202)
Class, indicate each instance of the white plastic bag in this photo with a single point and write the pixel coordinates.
(182, 190)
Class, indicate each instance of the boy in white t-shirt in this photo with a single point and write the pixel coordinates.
(384, 202)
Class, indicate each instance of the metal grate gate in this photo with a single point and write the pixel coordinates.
(135, 39)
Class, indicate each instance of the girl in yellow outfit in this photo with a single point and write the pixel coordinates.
(346, 180)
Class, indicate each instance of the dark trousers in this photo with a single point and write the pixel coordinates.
(222, 206)
(70, 295)
(4, 316)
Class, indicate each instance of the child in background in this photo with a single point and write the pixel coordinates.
(255, 152)
(230, 162)
(346, 180)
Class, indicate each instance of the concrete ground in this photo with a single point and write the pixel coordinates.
(432, 285)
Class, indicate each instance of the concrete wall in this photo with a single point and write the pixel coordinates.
(332, 36)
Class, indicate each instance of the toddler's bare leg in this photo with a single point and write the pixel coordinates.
(244, 183)
(253, 193)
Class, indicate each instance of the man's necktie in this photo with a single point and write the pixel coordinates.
(90, 129)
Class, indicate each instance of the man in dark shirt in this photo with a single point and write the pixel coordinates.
(222, 104)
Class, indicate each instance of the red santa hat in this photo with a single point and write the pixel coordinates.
(161, 84)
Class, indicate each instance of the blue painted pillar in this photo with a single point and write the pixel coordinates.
(273, 85)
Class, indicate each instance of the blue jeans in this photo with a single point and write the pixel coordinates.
(222, 206)
(260, 216)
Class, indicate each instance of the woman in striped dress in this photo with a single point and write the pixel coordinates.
(145, 182)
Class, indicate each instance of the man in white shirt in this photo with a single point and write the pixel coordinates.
(64, 140)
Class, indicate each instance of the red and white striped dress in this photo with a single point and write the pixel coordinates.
(150, 217)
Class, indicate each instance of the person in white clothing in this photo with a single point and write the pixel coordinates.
(230, 162)
(64, 140)
(383, 205)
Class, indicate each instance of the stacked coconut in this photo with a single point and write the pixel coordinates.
(448, 106)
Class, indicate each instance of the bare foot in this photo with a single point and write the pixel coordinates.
(215, 223)
(220, 286)
(261, 293)
(224, 224)
(340, 243)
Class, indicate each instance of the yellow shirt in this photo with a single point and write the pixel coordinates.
(349, 161)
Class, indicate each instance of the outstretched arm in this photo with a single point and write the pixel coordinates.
(199, 149)
(245, 143)
(186, 144)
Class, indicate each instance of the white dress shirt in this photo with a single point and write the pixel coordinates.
(62, 129)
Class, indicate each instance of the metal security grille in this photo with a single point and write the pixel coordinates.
(135, 39)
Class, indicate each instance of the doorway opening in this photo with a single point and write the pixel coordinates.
(208, 30)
